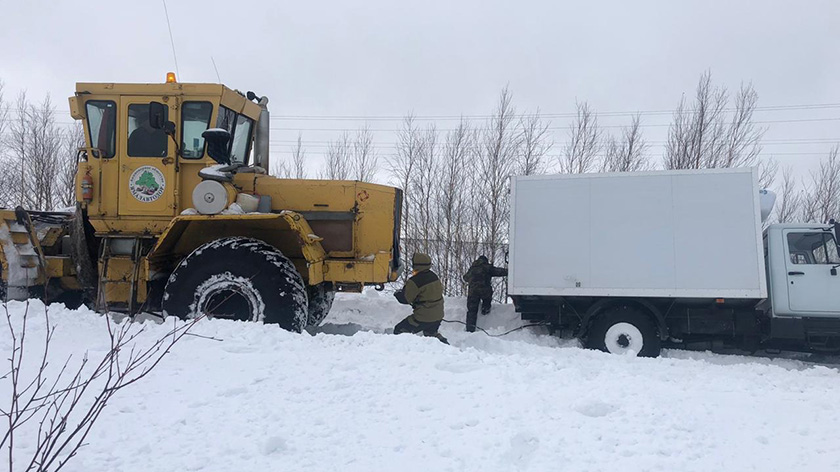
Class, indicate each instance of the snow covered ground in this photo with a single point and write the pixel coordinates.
(350, 398)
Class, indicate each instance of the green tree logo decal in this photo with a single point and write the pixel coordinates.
(147, 183)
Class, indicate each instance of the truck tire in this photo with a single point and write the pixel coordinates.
(624, 330)
(237, 278)
(321, 298)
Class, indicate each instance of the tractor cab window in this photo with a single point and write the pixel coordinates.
(102, 126)
(241, 140)
(239, 127)
(195, 119)
(813, 248)
(143, 140)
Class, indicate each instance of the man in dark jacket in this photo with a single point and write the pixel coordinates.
(424, 292)
(480, 280)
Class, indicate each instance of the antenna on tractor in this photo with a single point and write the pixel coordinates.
(171, 39)
(218, 77)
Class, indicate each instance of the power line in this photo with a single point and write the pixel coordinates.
(815, 106)
(769, 108)
(763, 142)
(643, 125)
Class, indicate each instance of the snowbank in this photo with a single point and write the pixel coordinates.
(357, 400)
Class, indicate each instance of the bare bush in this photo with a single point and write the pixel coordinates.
(58, 405)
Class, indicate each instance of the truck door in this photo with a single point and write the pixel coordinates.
(147, 167)
(812, 289)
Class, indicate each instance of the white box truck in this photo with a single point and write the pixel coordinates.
(627, 261)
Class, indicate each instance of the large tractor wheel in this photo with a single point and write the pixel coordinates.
(238, 278)
(321, 298)
(624, 330)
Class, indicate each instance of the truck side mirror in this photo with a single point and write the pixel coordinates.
(157, 115)
(217, 144)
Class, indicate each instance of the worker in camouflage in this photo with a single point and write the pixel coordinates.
(424, 292)
(480, 278)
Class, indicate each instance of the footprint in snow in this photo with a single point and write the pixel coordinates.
(274, 445)
(523, 446)
(234, 392)
(458, 368)
(596, 409)
(239, 349)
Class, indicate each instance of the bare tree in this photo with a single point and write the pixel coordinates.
(73, 139)
(627, 153)
(17, 143)
(337, 165)
(743, 138)
(56, 409)
(535, 144)
(281, 169)
(701, 136)
(452, 205)
(496, 158)
(45, 156)
(424, 180)
(365, 160)
(788, 199)
(821, 201)
(401, 167)
(584, 142)
(4, 115)
(298, 170)
(7, 178)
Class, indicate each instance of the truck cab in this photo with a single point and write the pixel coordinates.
(802, 262)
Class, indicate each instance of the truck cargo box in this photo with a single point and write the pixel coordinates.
(680, 234)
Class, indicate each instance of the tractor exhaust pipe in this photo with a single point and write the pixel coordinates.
(261, 139)
(261, 145)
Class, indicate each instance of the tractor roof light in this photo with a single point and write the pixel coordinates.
(170, 78)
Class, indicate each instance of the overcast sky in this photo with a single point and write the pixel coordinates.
(452, 57)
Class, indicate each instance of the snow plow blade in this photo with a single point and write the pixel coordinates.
(31, 257)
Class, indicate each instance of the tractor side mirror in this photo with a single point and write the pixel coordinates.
(217, 140)
(157, 115)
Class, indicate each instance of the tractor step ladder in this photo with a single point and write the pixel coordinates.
(105, 256)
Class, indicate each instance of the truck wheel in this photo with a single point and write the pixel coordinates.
(624, 330)
(237, 278)
(321, 298)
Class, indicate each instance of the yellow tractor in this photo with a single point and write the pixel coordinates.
(175, 217)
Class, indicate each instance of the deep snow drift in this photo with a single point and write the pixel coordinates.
(358, 400)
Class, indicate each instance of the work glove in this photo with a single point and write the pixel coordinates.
(400, 296)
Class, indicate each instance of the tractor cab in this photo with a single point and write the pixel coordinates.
(146, 143)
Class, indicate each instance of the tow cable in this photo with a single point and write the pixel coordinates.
(497, 335)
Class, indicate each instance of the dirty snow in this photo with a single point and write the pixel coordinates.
(350, 398)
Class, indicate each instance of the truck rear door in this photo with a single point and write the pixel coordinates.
(147, 167)
(812, 289)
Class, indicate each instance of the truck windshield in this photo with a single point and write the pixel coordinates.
(813, 248)
(195, 119)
